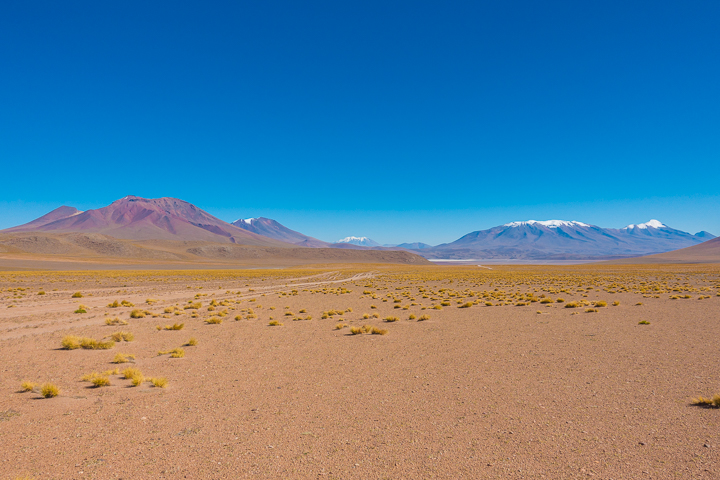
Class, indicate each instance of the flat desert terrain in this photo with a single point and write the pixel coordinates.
(471, 373)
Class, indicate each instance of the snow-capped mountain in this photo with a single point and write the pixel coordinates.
(562, 239)
(273, 229)
(359, 241)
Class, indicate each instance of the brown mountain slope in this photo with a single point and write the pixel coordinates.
(135, 218)
(706, 252)
(92, 250)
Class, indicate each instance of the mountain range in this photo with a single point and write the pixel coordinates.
(565, 240)
(169, 219)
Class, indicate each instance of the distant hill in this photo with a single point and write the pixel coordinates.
(273, 229)
(569, 240)
(706, 252)
(413, 246)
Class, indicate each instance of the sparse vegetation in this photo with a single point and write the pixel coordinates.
(123, 358)
(27, 386)
(49, 390)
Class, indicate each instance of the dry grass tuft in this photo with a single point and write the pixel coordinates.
(275, 323)
(158, 382)
(378, 331)
(213, 321)
(174, 353)
(390, 319)
(191, 343)
(115, 321)
(123, 358)
(713, 402)
(131, 372)
(27, 386)
(122, 336)
(49, 390)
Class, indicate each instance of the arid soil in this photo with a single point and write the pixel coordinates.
(525, 388)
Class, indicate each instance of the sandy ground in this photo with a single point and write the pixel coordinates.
(496, 391)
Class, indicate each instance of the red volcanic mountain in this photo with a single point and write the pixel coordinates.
(135, 218)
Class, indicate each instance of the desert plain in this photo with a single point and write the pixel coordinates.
(470, 373)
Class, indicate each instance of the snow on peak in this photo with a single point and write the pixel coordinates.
(548, 223)
(248, 220)
(353, 239)
(651, 223)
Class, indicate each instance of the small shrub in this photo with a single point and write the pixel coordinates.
(638, 304)
(137, 314)
(27, 386)
(713, 402)
(378, 331)
(356, 330)
(174, 353)
(176, 326)
(115, 321)
(547, 300)
(390, 319)
(340, 326)
(192, 342)
(131, 372)
(601, 303)
(158, 382)
(123, 358)
(41, 292)
(423, 318)
(411, 317)
(77, 295)
(571, 305)
(616, 303)
(560, 300)
(591, 310)
(275, 323)
(213, 320)
(122, 336)
(70, 342)
(81, 309)
(114, 304)
(125, 303)
(643, 322)
(48, 390)
(137, 380)
(466, 305)
(100, 381)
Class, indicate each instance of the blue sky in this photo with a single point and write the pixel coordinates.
(401, 121)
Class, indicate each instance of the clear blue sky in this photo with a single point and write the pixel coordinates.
(397, 120)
